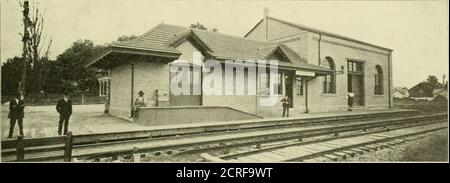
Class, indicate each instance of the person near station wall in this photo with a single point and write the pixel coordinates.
(350, 96)
(139, 102)
(286, 101)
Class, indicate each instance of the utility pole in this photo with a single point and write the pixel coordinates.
(22, 84)
(443, 80)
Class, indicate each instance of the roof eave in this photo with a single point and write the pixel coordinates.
(99, 56)
(329, 34)
(291, 67)
(254, 27)
(133, 50)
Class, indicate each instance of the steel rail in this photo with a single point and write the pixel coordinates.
(265, 137)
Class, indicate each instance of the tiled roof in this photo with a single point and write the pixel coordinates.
(155, 39)
(221, 46)
(230, 47)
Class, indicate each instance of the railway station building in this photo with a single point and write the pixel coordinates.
(316, 69)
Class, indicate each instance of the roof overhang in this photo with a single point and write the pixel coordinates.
(319, 71)
(131, 50)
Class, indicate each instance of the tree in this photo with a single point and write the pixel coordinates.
(433, 82)
(70, 65)
(126, 38)
(34, 51)
(198, 26)
(11, 75)
(38, 50)
(25, 38)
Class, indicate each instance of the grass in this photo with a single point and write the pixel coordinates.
(434, 148)
(439, 105)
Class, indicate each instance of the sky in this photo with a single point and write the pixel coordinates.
(417, 31)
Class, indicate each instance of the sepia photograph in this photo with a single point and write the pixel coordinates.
(121, 81)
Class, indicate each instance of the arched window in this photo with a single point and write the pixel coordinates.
(378, 80)
(329, 81)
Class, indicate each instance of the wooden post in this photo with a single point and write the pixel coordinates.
(68, 147)
(20, 148)
(156, 98)
(136, 156)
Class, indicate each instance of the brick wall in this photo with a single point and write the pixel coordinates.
(149, 75)
(306, 45)
(341, 51)
(120, 91)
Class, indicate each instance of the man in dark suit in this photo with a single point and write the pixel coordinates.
(286, 102)
(16, 107)
(64, 108)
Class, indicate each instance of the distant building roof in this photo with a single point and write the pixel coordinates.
(401, 90)
(421, 90)
(439, 91)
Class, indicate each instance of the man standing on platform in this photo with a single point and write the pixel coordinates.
(350, 96)
(16, 107)
(286, 102)
(64, 108)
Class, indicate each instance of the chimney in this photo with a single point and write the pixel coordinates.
(443, 79)
(266, 14)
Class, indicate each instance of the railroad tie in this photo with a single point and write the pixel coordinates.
(359, 151)
(349, 152)
(366, 149)
(136, 158)
(319, 159)
(340, 154)
(331, 157)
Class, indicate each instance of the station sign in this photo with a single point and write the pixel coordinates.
(305, 73)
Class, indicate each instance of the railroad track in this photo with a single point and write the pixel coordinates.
(40, 149)
(334, 149)
(217, 138)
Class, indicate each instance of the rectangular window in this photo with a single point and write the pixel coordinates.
(327, 84)
(278, 85)
(179, 77)
(358, 67)
(354, 66)
(264, 84)
(299, 86)
(378, 87)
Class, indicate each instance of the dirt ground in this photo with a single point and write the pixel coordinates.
(42, 121)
